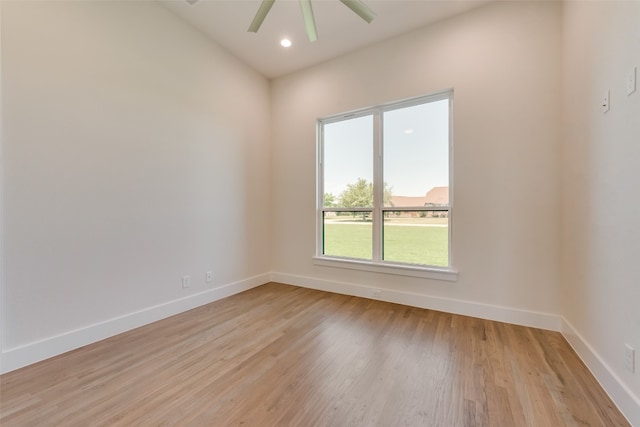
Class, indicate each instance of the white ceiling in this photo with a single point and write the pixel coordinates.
(339, 29)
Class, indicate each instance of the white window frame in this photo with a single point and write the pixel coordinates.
(377, 264)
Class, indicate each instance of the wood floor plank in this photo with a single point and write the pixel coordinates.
(280, 355)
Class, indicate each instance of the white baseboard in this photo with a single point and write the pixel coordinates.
(17, 357)
(467, 308)
(624, 398)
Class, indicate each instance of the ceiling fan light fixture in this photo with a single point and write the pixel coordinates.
(357, 6)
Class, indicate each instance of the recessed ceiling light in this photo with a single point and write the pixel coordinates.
(285, 42)
(408, 131)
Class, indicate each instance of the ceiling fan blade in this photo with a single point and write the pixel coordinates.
(264, 9)
(361, 9)
(309, 22)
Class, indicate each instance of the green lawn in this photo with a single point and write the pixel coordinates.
(402, 243)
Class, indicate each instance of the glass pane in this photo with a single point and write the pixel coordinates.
(416, 237)
(348, 163)
(347, 234)
(416, 155)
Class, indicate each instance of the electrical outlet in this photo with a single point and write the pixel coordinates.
(631, 80)
(186, 281)
(629, 358)
(209, 276)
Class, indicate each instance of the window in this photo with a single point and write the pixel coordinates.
(384, 186)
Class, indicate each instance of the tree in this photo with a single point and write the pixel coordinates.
(357, 195)
(360, 195)
(329, 200)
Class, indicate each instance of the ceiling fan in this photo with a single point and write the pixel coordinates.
(361, 9)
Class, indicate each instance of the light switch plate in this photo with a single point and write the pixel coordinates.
(605, 102)
(632, 80)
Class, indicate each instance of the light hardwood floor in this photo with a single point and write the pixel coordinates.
(280, 355)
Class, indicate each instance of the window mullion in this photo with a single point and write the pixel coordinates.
(377, 187)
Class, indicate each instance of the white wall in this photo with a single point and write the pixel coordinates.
(128, 162)
(601, 159)
(503, 61)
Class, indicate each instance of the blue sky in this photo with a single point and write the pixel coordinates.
(416, 150)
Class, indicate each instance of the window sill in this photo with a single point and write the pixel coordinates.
(447, 274)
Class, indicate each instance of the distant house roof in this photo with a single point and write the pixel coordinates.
(437, 196)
